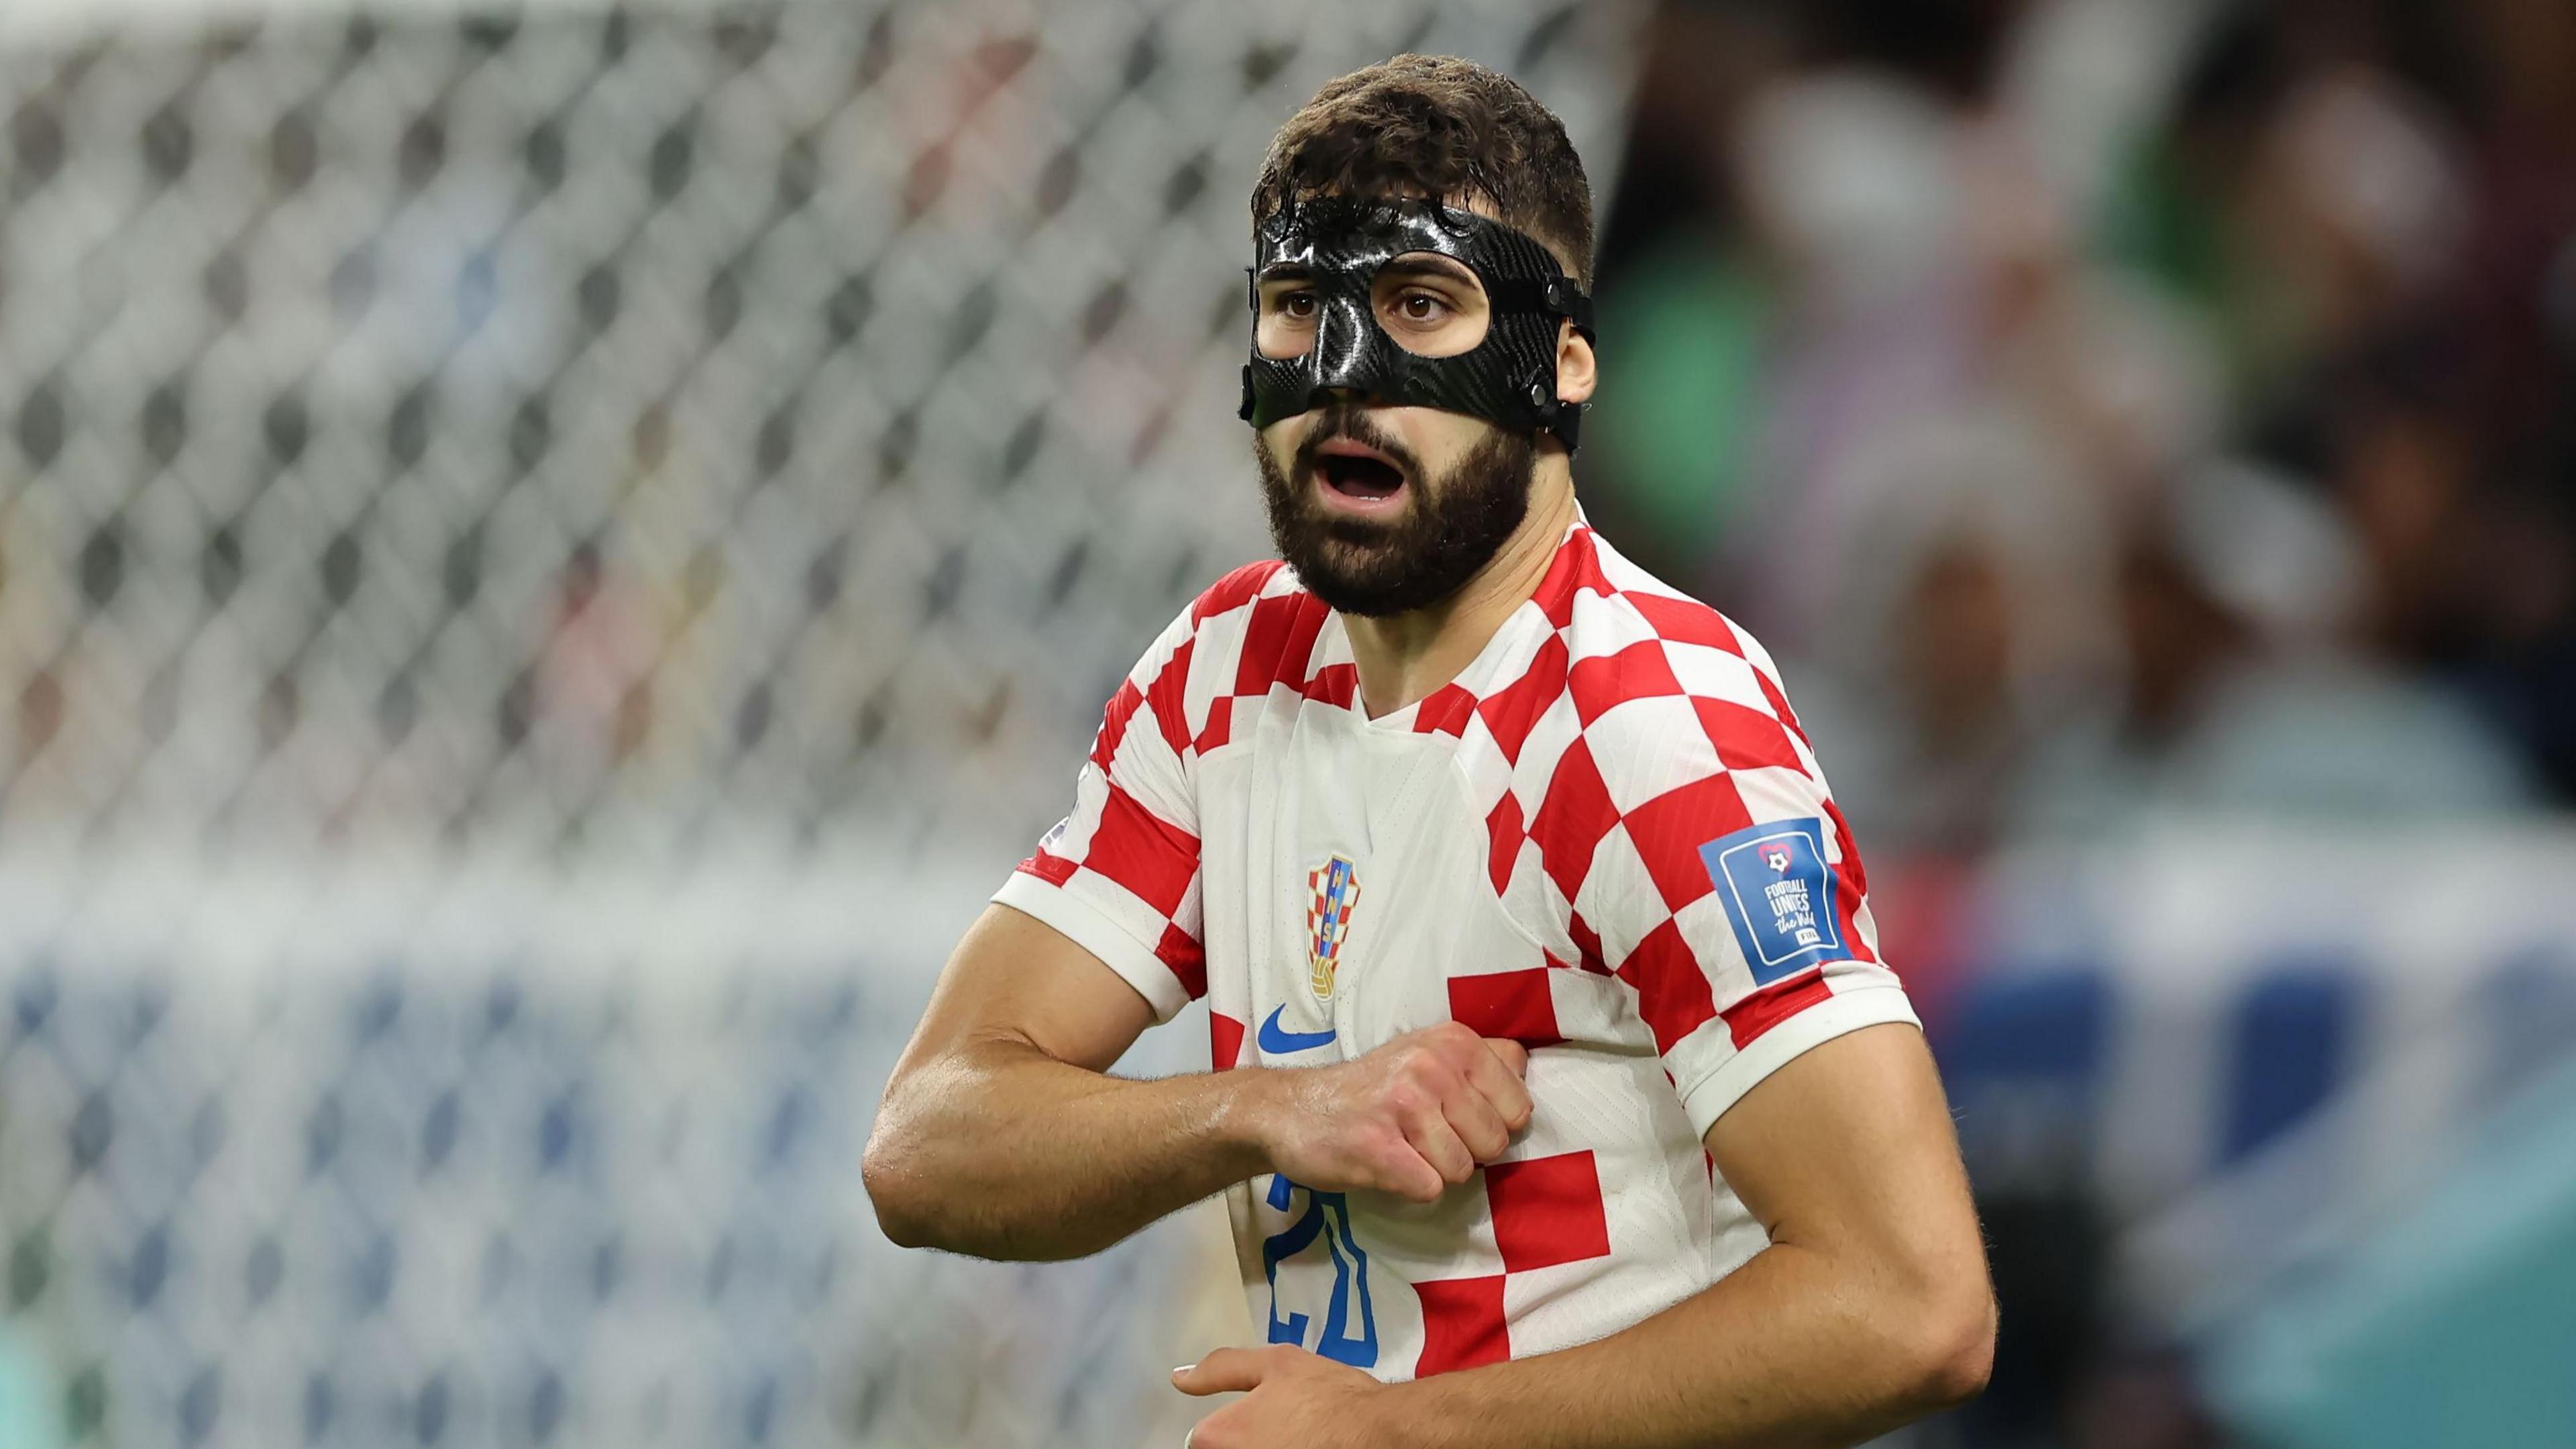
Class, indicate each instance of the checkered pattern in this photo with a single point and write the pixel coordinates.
(1546, 1212)
(1642, 725)
(1124, 865)
(1612, 728)
(1331, 893)
(1549, 889)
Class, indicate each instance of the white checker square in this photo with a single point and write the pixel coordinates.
(1618, 897)
(1776, 792)
(1605, 624)
(1649, 747)
(1715, 674)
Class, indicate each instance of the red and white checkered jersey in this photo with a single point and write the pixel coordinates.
(1607, 839)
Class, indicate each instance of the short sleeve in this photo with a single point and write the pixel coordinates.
(1120, 874)
(1729, 891)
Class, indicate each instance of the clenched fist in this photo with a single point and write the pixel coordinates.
(1413, 1117)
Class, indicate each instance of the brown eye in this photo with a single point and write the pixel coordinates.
(1298, 304)
(1421, 307)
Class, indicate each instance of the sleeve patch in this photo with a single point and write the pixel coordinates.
(1779, 896)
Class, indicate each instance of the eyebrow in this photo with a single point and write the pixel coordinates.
(1434, 264)
(1286, 272)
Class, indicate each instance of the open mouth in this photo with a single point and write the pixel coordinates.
(1356, 473)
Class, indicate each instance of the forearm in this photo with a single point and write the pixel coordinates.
(1001, 1151)
(1792, 1349)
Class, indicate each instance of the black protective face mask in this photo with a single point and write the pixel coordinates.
(1508, 379)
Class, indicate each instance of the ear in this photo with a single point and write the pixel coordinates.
(1575, 365)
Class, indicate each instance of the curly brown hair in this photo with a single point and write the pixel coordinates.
(1437, 126)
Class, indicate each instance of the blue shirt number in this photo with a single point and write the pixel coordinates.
(1329, 1217)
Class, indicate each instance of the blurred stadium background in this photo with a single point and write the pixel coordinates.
(551, 556)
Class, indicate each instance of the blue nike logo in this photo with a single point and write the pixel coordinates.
(1278, 1042)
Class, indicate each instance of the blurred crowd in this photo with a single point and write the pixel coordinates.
(2114, 410)
(2112, 413)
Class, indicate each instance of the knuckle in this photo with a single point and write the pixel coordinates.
(1429, 1072)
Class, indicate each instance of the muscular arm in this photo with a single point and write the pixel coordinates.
(1002, 1135)
(1870, 1307)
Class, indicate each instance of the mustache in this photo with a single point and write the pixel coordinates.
(1348, 420)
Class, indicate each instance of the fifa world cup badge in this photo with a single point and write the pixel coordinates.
(1331, 890)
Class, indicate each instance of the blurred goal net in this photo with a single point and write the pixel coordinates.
(520, 535)
(629, 425)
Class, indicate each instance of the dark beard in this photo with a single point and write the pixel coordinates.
(1451, 526)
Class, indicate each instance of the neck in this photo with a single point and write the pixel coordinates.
(1403, 657)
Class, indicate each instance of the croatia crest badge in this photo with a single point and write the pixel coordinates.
(1331, 890)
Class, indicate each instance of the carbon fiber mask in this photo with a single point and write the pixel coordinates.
(1339, 243)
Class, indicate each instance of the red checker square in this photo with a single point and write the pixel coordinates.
(1188, 959)
(1747, 1019)
(1334, 684)
(1511, 1004)
(1300, 652)
(1513, 711)
(1572, 819)
(1462, 1325)
(1587, 944)
(1686, 621)
(1606, 681)
(1168, 697)
(1669, 830)
(1277, 640)
(1053, 869)
(1113, 723)
(1220, 725)
(1672, 991)
(1503, 848)
(1850, 869)
(1152, 858)
(1547, 1211)
(1746, 739)
(1225, 1041)
(1445, 711)
(1780, 706)
(1577, 567)
(1265, 638)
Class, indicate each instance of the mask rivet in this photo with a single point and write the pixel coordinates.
(1538, 394)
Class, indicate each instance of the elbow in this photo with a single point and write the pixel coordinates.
(889, 1175)
(1952, 1352)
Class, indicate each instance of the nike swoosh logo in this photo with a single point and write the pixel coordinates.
(1279, 1042)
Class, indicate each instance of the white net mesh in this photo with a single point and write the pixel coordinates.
(522, 430)
(591, 480)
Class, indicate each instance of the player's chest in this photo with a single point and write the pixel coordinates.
(1356, 890)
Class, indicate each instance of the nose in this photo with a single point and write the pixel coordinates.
(1341, 347)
